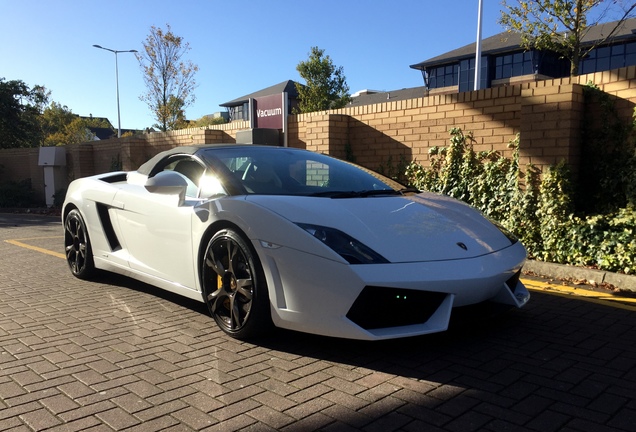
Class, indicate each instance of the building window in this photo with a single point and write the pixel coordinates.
(512, 65)
(240, 112)
(467, 74)
(443, 76)
(609, 57)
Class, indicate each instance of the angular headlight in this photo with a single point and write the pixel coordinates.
(509, 235)
(344, 245)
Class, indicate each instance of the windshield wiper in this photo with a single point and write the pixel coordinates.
(409, 190)
(356, 194)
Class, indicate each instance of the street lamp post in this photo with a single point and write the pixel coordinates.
(116, 82)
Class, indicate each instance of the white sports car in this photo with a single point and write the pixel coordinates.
(291, 238)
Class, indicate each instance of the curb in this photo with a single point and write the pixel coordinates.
(560, 271)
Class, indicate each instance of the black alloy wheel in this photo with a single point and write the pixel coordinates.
(234, 286)
(77, 246)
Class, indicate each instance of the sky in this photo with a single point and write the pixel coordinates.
(239, 46)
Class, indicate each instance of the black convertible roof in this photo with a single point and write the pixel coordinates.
(147, 166)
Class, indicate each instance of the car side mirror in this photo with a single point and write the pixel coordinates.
(168, 183)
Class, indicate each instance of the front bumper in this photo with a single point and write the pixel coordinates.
(382, 301)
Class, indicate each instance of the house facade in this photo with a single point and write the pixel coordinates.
(505, 62)
(239, 108)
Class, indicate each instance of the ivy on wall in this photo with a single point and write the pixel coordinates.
(539, 209)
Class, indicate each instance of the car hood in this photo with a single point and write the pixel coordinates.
(422, 227)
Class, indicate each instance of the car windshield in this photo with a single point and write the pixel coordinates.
(289, 171)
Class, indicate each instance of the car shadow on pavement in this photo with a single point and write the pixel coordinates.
(551, 332)
(555, 355)
(21, 219)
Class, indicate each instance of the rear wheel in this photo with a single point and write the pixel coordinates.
(77, 246)
(234, 286)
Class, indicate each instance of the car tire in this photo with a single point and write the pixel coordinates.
(77, 246)
(234, 286)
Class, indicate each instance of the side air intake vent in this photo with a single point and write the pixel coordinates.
(107, 225)
(513, 281)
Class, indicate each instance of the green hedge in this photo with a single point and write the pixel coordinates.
(16, 194)
(538, 208)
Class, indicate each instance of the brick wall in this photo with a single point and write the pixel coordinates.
(22, 164)
(547, 114)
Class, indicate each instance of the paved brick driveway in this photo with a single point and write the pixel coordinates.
(114, 355)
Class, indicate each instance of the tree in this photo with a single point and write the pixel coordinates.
(169, 79)
(174, 115)
(208, 120)
(561, 25)
(61, 127)
(53, 120)
(20, 108)
(326, 86)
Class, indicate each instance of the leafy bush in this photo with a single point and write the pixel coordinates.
(16, 194)
(540, 211)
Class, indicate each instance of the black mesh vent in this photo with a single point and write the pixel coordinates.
(380, 307)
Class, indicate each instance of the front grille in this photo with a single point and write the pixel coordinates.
(382, 307)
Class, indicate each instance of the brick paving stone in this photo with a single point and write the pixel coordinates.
(344, 385)
(26, 378)
(58, 403)
(310, 393)
(391, 422)
(458, 405)
(40, 419)
(548, 421)
(305, 409)
(276, 386)
(235, 409)
(30, 396)
(239, 423)
(78, 361)
(163, 423)
(83, 424)
(382, 407)
(157, 411)
(271, 417)
(312, 422)
(339, 426)
(500, 413)
(143, 389)
(499, 425)
(416, 398)
(203, 402)
(345, 399)
(171, 395)
(11, 389)
(624, 420)
(419, 426)
(117, 418)
(87, 410)
(131, 403)
(607, 403)
(274, 400)
(468, 422)
(194, 418)
(347, 416)
(581, 413)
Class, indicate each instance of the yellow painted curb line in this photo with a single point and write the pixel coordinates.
(533, 285)
(598, 297)
(35, 248)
